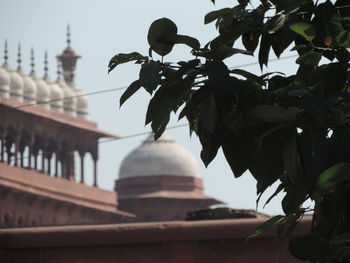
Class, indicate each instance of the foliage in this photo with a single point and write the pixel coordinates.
(292, 129)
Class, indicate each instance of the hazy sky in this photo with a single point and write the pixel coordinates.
(100, 29)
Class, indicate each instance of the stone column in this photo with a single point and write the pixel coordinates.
(82, 173)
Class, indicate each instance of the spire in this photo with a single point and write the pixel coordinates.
(32, 62)
(68, 60)
(19, 60)
(46, 66)
(5, 54)
(68, 35)
(58, 71)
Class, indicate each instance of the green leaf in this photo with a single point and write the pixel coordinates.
(308, 247)
(211, 16)
(266, 225)
(149, 75)
(124, 58)
(158, 30)
(305, 30)
(343, 38)
(275, 23)
(333, 176)
(135, 86)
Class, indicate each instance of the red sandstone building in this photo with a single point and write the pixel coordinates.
(45, 135)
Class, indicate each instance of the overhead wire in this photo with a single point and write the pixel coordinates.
(123, 88)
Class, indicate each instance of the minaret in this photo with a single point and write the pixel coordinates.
(69, 60)
(6, 56)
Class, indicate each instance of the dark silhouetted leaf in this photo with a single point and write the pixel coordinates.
(211, 16)
(180, 39)
(250, 40)
(224, 52)
(308, 247)
(266, 225)
(272, 114)
(124, 58)
(135, 86)
(309, 58)
(264, 50)
(159, 29)
(149, 75)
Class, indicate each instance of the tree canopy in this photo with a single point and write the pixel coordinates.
(292, 129)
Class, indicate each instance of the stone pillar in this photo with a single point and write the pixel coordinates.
(82, 173)
(95, 172)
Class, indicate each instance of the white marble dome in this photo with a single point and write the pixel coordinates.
(42, 92)
(56, 95)
(163, 157)
(29, 89)
(16, 85)
(4, 83)
(81, 102)
(69, 105)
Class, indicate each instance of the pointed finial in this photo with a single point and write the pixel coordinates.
(32, 62)
(58, 71)
(6, 52)
(68, 35)
(46, 66)
(19, 67)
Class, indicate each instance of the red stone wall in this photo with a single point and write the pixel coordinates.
(215, 241)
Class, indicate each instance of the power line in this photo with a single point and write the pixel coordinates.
(140, 134)
(256, 63)
(123, 88)
(71, 97)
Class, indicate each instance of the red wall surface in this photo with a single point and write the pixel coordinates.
(218, 241)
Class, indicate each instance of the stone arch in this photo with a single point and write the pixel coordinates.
(20, 221)
(33, 222)
(24, 149)
(7, 219)
(51, 156)
(10, 140)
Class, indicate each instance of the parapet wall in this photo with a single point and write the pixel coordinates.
(218, 241)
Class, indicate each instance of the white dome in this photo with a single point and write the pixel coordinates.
(56, 96)
(16, 85)
(81, 102)
(69, 105)
(4, 83)
(163, 157)
(42, 92)
(29, 89)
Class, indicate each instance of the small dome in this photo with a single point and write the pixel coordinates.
(69, 105)
(161, 157)
(4, 83)
(29, 89)
(42, 92)
(81, 102)
(56, 96)
(16, 85)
